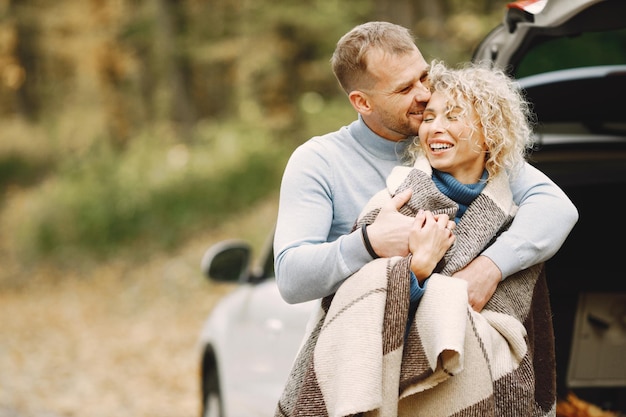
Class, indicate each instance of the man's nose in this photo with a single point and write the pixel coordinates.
(422, 93)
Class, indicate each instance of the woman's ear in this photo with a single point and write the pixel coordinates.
(360, 101)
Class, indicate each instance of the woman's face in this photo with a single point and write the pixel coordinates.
(448, 140)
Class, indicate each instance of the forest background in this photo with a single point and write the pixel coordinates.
(134, 134)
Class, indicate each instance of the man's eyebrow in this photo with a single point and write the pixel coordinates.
(403, 85)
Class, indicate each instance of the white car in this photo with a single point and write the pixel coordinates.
(570, 58)
(251, 337)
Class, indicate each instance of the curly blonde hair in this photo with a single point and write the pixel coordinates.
(505, 116)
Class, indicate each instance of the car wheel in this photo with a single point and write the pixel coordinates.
(212, 397)
(212, 405)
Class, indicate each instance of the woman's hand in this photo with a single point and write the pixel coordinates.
(429, 239)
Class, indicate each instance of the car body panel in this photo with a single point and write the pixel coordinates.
(507, 44)
(254, 315)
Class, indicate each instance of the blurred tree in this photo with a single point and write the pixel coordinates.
(173, 60)
(109, 89)
(140, 62)
(17, 48)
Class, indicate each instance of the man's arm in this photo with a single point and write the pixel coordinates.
(545, 218)
(311, 269)
(307, 265)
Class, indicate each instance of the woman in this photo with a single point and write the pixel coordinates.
(476, 126)
(359, 356)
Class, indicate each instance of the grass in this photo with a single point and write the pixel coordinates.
(73, 197)
(100, 284)
(153, 196)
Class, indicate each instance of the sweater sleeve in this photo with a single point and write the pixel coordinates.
(307, 265)
(545, 218)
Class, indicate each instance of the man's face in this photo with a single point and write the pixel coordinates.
(399, 94)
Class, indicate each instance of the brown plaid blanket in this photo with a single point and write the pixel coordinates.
(356, 361)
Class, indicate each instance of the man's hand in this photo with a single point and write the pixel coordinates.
(389, 233)
(482, 277)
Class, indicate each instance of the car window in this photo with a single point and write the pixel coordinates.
(584, 50)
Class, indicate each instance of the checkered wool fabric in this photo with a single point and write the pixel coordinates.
(355, 360)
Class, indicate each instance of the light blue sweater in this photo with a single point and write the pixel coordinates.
(330, 178)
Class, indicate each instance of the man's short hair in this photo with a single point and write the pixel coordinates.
(349, 61)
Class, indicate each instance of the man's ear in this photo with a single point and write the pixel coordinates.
(360, 101)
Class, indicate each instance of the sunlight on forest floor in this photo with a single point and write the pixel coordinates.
(122, 341)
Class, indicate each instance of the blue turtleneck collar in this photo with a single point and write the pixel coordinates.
(462, 194)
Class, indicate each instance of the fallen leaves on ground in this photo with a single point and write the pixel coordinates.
(572, 406)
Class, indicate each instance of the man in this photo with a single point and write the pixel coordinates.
(330, 178)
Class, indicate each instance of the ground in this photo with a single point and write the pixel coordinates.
(119, 341)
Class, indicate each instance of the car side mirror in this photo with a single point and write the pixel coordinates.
(227, 261)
